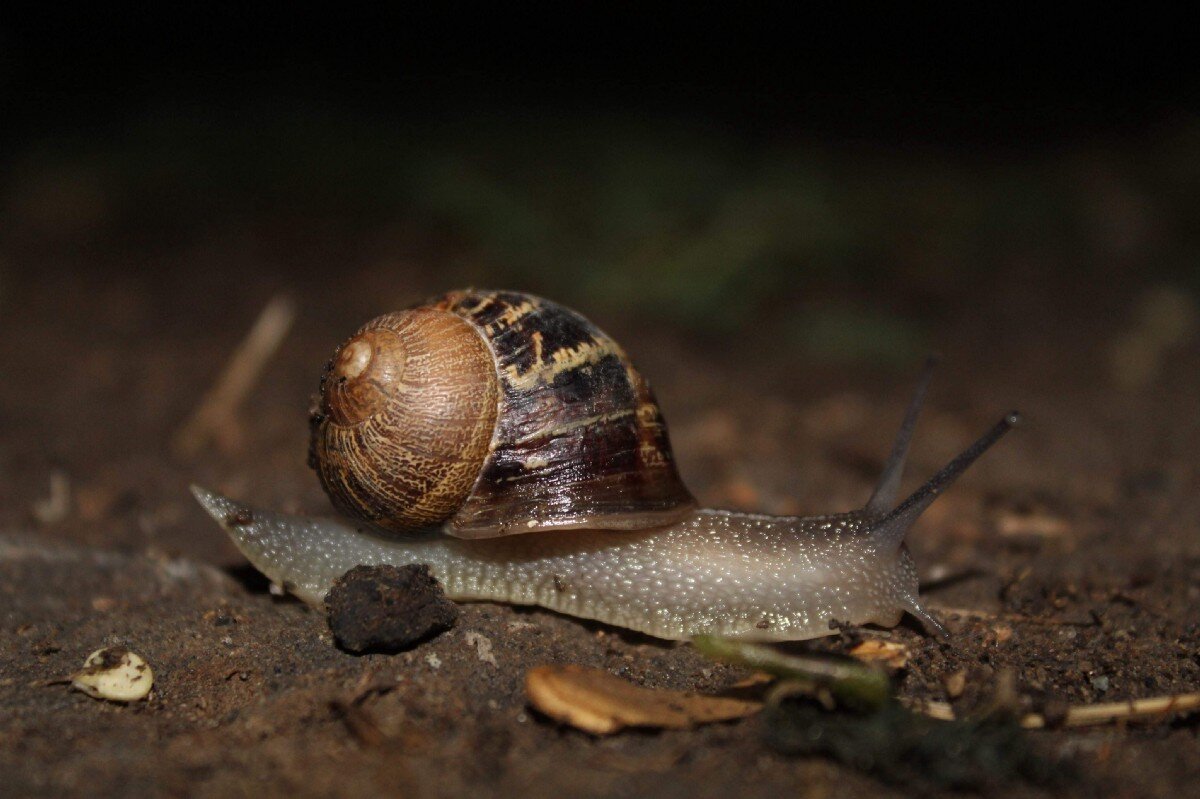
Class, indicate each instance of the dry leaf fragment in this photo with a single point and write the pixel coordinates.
(891, 654)
(600, 703)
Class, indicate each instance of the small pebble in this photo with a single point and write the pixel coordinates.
(115, 674)
(387, 608)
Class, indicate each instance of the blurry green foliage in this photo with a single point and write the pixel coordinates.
(711, 230)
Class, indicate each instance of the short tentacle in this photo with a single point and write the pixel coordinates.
(927, 619)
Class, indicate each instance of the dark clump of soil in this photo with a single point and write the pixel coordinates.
(902, 748)
(387, 608)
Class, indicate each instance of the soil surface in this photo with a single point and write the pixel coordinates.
(1069, 556)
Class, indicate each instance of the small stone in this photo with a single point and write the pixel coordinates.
(387, 608)
(115, 674)
(1100, 683)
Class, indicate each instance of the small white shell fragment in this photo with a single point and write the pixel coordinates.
(115, 674)
(483, 647)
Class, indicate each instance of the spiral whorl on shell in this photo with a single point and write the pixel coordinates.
(492, 413)
(408, 406)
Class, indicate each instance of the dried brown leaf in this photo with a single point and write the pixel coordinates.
(891, 654)
(600, 703)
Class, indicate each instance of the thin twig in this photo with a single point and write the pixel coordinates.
(359, 722)
(55, 507)
(1082, 715)
(1103, 713)
(218, 406)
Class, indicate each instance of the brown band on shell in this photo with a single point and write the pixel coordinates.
(408, 410)
(580, 440)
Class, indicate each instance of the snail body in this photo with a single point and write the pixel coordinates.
(533, 467)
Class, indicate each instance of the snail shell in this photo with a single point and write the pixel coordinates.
(492, 413)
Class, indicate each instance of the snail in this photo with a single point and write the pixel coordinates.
(510, 444)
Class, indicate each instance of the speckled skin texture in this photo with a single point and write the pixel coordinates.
(732, 574)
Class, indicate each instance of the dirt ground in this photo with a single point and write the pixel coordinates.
(1069, 555)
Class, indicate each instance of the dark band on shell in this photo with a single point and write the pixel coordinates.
(580, 440)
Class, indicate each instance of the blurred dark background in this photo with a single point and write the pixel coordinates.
(759, 206)
(713, 166)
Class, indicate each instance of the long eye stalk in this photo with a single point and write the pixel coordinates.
(888, 533)
(884, 498)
